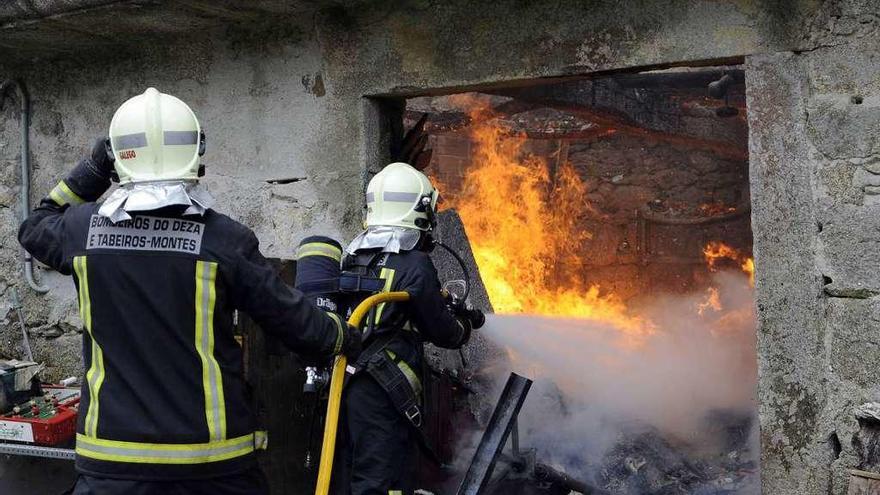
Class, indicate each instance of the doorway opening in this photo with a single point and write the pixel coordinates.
(609, 218)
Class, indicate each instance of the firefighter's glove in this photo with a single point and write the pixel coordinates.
(91, 176)
(100, 162)
(464, 311)
(351, 342)
(476, 317)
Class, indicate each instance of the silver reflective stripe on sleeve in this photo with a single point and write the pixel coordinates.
(371, 197)
(402, 197)
(129, 141)
(181, 137)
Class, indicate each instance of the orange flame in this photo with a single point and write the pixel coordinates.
(523, 225)
(716, 250)
(748, 266)
(713, 301)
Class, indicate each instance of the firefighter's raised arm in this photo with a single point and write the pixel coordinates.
(42, 233)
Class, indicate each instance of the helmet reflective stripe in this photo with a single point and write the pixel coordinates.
(181, 137)
(155, 136)
(403, 197)
(394, 198)
(131, 141)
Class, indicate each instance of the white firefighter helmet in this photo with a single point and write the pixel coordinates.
(401, 196)
(155, 137)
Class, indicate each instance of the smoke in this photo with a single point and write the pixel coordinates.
(594, 384)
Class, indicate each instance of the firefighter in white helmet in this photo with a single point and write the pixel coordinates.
(159, 273)
(401, 196)
(382, 403)
(156, 136)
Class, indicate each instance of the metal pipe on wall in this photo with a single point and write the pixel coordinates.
(25, 118)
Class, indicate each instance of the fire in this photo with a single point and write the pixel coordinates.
(524, 228)
(748, 266)
(713, 301)
(524, 222)
(716, 251)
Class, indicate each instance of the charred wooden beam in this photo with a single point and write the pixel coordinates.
(623, 124)
(503, 418)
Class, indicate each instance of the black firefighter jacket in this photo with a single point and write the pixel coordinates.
(164, 396)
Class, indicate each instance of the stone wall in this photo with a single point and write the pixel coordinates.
(263, 122)
(280, 88)
(814, 218)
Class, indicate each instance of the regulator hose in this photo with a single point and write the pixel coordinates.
(464, 270)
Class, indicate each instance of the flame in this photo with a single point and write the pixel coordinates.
(717, 250)
(522, 214)
(748, 266)
(713, 301)
(524, 229)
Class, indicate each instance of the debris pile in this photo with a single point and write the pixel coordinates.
(644, 462)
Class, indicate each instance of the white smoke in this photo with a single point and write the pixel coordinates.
(590, 383)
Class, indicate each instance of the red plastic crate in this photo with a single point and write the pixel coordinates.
(54, 430)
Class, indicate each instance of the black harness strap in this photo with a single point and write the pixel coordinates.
(347, 282)
(324, 286)
(352, 282)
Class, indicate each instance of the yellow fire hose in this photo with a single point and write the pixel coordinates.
(328, 446)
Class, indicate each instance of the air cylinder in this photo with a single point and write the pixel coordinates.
(317, 271)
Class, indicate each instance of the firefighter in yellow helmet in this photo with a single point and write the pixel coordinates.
(159, 273)
(382, 402)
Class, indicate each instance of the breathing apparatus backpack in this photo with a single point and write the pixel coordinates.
(320, 276)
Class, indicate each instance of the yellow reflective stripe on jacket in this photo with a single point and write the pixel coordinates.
(95, 374)
(340, 332)
(408, 372)
(212, 379)
(411, 377)
(386, 274)
(165, 453)
(319, 249)
(63, 195)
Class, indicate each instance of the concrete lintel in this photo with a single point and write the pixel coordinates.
(13, 14)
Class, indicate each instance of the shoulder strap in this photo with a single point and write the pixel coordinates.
(358, 273)
(353, 282)
(361, 261)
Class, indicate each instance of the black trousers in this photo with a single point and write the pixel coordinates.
(250, 482)
(377, 447)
